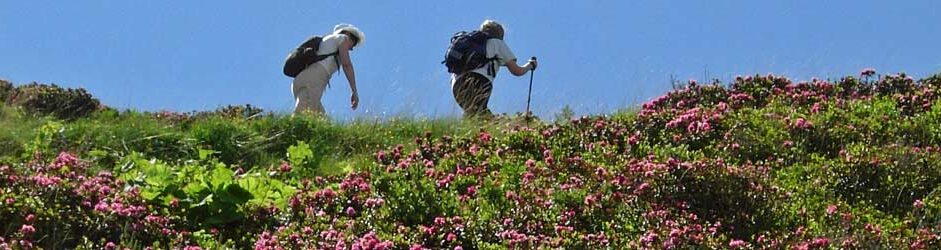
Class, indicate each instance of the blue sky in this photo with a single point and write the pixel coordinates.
(595, 56)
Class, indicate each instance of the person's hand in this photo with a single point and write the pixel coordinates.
(532, 63)
(354, 100)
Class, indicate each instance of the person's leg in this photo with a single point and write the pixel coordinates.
(300, 88)
(308, 88)
(472, 93)
(318, 87)
(482, 98)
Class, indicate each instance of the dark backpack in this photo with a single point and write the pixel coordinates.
(468, 51)
(304, 56)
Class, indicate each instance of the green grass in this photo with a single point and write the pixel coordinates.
(261, 141)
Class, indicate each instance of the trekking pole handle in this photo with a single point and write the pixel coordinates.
(533, 59)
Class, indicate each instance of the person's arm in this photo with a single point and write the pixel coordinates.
(504, 51)
(344, 55)
(516, 70)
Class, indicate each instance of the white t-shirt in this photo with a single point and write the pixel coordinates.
(330, 44)
(495, 48)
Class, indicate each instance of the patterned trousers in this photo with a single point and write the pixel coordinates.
(472, 93)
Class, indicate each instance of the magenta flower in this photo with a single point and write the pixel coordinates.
(451, 237)
(472, 190)
(801, 123)
(27, 229)
(736, 244)
(381, 156)
(820, 242)
(919, 204)
(640, 189)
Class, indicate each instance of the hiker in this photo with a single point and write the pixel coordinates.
(472, 84)
(309, 84)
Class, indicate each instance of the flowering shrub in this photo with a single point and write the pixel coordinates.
(764, 163)
(6, 90)
(52, 100)
(59, 198)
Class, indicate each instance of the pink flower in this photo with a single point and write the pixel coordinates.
(30, 218)
(381, 156)
(919, 204)
(27, 229)
(736, 244)
(472, 190)
(485, 137)
(632, 140)
(820, 242)
(451, 237)
(474, 149)
(802, 123)
(285, 167)
(528, 177)
(350, 211)
(590, 200)
(66, 159)
(831, 209)
(815, 108)
(640, 189)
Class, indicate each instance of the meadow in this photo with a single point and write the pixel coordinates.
(762, 162)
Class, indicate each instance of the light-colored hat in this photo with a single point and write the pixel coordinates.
(352, 30)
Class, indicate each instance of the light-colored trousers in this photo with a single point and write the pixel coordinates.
(308, 88)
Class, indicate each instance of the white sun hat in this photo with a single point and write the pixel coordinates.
(352, 30)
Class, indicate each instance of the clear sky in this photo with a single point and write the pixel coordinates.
(595, 56)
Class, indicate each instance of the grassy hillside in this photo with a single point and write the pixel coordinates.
(760, 163)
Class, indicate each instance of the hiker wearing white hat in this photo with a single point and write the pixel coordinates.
(309, 84)
(473, 73)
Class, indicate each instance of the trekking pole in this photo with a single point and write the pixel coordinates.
(530, 94)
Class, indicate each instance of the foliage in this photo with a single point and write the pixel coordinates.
(762, 163)
(52, 100)
(6, 90)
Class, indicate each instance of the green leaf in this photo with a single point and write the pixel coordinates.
(157, 174)
(300, 153)
(194, 189)
(149, 193)
(206, 153)
(220, 177)
(234, 194)
(266, 190)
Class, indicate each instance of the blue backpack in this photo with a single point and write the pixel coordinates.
(468, 51)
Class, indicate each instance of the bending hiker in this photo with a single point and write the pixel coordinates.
(313, 63)
(474, 59)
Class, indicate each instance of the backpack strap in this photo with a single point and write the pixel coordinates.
(492, 66)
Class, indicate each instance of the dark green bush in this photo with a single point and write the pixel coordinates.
(889, 178)
(52, 100)
(6, 90)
